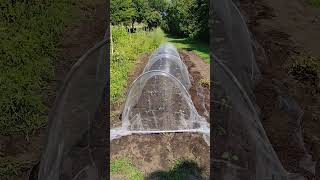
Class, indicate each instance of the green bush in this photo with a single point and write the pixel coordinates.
(28, 33)
(187, 18)
(127, 49)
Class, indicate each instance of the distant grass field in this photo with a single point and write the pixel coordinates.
(198, 47)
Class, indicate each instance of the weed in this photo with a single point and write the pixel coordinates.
(124, 166)
(305, 69)
(204, 83)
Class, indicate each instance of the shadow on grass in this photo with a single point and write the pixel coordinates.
(199, 47)
(187, 170)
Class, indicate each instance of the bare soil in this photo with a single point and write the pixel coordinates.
(86, 29)
(287, 30)
(156, 152)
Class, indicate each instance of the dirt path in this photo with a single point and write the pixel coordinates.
(287, 30)
(297, 19)
(86, 29)
(152, 153)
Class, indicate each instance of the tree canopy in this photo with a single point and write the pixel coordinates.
(188, 18)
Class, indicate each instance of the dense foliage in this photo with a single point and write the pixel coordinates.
(127, 49)
(126, 12)
(121, 11)
(28, 31)
(187, 18)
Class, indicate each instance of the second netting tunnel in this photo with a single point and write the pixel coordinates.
(158, 100)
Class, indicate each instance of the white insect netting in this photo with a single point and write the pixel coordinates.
(171, 65)
(166, 48)
(74, 133)
(242, 148)
(159, 101)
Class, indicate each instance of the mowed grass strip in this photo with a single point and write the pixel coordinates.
(196, 46)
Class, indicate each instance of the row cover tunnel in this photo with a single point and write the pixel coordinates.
(159, 101)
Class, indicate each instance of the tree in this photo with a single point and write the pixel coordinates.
(141, 7)
(121, 12)
(159, 5)
(153, 19)
(187, 18)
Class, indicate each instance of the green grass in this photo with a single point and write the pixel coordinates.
(11, 167)
(127, 49)
(315, 3)
(180, 169)
(125, 167)
(29, 34)
(199, 48)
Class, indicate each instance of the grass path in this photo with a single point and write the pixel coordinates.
(199, 48)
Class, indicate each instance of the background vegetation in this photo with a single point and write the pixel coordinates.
(127, 49)
(184, 23)
(188, 18)
(184, 18)
(28, 33)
